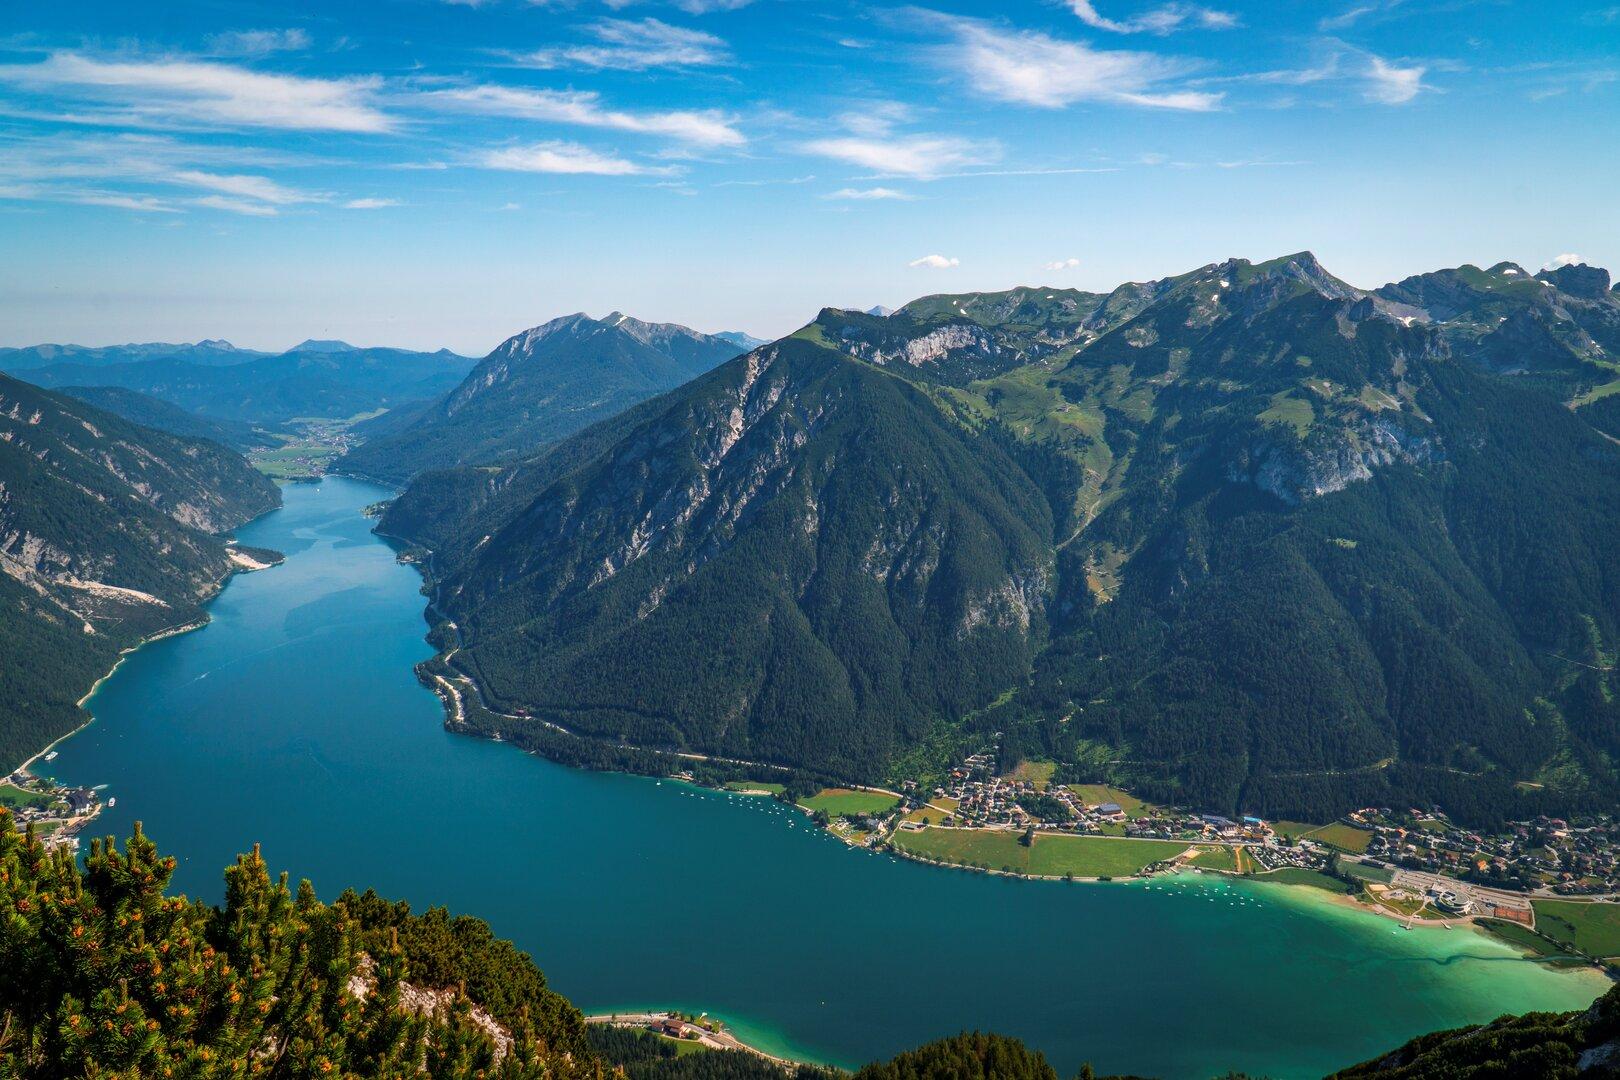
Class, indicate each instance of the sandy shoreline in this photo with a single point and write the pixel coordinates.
(722, 1040)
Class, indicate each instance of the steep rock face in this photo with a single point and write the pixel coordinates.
(1295, 472)
(794, 559)
(540, 386)
(106, 535)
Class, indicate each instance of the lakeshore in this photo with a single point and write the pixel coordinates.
(296, 708)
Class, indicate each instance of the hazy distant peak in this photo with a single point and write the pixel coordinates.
(880, 311)
(580, 325)
(740, 338)
(318, 345)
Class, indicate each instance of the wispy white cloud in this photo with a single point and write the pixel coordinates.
(1568, 258)
(691, 7)
(1350, 69)
(1356, 13)
(1390, 84)
(934, 262)
(871, 140)
(1032, 68)
(922, 157)
(141, 172)
(708, 127)
(370, 204)
(115, 200)
(635, 45)
(181, 91)
(1161, 20)
(1061, 264)
(869, 194)
(260, 188)
(258, 42)
(564, 158)
(246, 207)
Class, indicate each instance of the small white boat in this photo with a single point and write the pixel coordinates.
(51, 756)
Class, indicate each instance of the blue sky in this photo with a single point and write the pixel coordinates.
(433, 173)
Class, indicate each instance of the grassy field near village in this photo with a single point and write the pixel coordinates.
(1038, 773)
(1050, 856)
(13, 796)
(1381, 875)
(1521, 937)
(1299, 875)
(933, 814)
(296, 459)
(837, 801)
(1593, 928)
(1097, 794)
(1216, 858)
(1344, 837)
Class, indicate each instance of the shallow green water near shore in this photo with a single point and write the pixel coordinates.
(294, 719)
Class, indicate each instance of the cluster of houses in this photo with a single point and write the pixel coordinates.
(61, 816)
(983, 799)
(1545, 853)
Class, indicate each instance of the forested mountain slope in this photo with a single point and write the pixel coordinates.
(321, 381)
(795, 558)
(1245, 538)
(153, 412)
(107, 535)
(540, 386)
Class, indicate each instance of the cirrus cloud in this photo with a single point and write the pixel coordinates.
(180, 91)
(1031, 68)
(566, 158)
(1161, 20)
(707, 128)
(869, 194)
(922, 157)
(636, 45)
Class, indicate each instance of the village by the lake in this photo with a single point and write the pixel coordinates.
(1549, 886)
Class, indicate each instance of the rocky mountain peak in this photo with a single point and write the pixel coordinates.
(1586, 282)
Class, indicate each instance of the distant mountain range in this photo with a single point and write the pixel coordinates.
(203, 352)
(540, 386)
(108, 534)
(1245, 538)
(214, 380)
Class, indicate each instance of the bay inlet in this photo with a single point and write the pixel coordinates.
(294, 719)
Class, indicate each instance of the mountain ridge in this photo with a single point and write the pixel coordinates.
(1274, 571)
(540, 385)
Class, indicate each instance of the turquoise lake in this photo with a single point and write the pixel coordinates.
(294, 719)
